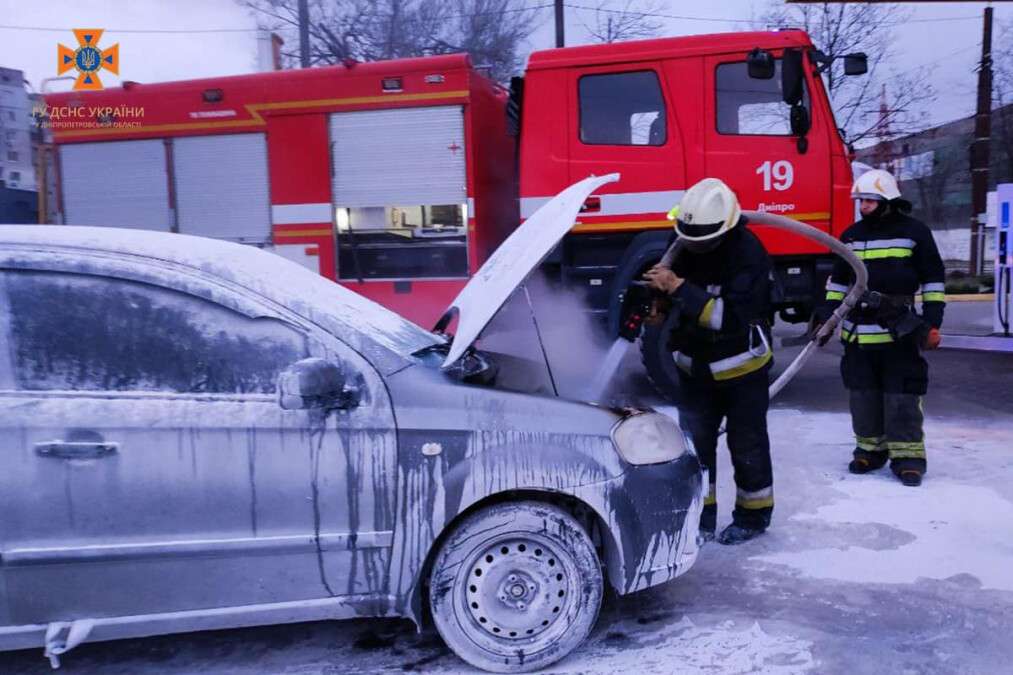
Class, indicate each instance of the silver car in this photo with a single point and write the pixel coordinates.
(198, 435)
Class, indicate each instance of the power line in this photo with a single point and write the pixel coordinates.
(184, 31)
(535, 8)
(656, 15)
(134, 30)
(683, 17)
(940, 59)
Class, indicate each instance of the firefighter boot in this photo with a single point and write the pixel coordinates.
(738, 534)
(909, 469)
(865, 460)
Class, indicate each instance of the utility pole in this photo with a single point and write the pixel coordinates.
(304, 34)
(980, 146)
(559, 23)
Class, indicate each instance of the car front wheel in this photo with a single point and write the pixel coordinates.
(516, 587)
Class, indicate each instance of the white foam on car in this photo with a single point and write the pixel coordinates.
(267, 274)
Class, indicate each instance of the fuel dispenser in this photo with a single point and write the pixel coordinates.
(1003, 258)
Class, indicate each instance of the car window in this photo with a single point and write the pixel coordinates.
(82, 332)
(622, 109)
(748, 106)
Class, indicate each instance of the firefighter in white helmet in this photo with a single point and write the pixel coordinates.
(882, 367)
(720, 285)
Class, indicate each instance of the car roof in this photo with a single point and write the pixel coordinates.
(329, 305)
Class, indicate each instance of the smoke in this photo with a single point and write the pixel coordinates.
(576, 343)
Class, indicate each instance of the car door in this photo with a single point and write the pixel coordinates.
(750, 146)
(148, 465)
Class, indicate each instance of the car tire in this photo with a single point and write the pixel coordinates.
(516, 587)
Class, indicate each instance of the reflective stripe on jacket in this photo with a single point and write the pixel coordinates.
(901, 256)
(724, 305)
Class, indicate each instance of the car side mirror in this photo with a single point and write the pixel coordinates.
(760, 64)
(856, 64)
(316, 383)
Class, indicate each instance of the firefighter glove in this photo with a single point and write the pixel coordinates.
(933, 338)
(663, 279)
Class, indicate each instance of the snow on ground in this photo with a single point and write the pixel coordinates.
(951, 528)
(686, 647)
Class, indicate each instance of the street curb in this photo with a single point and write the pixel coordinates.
(970, 297)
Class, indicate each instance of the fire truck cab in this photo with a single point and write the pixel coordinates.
(666, 113)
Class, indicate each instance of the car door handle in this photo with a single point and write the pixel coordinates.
(591, 205)
(76, 449)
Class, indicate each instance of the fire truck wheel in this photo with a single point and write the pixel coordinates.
(516, 587)
(661, 370)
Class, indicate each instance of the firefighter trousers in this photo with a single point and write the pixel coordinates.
(743, 404)
(885, 386)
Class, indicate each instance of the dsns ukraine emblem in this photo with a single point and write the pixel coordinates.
(88, 59)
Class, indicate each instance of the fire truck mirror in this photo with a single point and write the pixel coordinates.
(856, 64)
(800, 122)
(792, 76)
(760, 64)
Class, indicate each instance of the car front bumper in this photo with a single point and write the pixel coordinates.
(652, 513)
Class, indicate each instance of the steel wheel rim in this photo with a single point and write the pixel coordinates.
(516, 592)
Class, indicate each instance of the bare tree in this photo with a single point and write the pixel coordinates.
(491, 31)
(626, 20)
(933, 184)
(842, 28)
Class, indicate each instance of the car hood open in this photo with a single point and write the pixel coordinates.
(512, 262)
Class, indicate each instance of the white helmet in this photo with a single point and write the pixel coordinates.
(708, 210)
(876, 184)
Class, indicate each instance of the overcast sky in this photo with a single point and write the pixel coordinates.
(950, 41)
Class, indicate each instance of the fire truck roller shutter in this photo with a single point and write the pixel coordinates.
(399, 186)
(116, 184)
(402, 157)
(222, 187)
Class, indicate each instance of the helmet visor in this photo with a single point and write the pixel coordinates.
(697, 230)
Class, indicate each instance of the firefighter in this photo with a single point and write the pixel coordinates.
(882, 368)
(719, 288)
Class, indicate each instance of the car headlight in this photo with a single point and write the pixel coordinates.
(650, 438)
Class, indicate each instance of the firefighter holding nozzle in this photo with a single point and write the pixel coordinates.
(883, 369)
(719, 286)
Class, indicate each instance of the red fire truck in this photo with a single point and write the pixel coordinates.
(398, 179)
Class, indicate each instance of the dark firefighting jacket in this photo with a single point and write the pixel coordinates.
(901, 256)
(724, 308)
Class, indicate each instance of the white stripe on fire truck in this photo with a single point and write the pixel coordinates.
(293, 214)
(617, 204)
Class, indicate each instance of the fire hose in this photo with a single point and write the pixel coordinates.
(850, 299)
(827, 329)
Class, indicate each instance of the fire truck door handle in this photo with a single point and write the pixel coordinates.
(591, 205)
